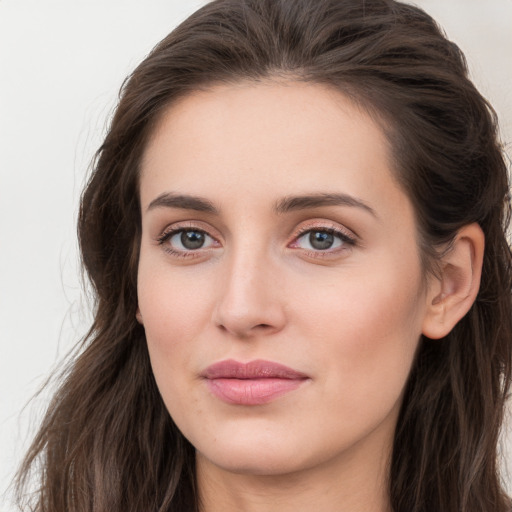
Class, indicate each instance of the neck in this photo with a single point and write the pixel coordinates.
(355, 481)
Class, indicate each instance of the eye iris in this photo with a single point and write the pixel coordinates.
(192, 239)
(321, 240)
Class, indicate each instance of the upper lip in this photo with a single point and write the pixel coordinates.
(257, 369)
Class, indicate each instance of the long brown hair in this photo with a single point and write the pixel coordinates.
(107, 442)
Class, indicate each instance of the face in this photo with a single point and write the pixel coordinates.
(279, 283)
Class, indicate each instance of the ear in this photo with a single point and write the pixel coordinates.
(452, 293)
(138, 316)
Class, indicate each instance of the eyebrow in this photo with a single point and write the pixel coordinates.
(293, 203)
(285, 205)
(184, 201)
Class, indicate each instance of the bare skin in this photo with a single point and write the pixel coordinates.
(274, 229)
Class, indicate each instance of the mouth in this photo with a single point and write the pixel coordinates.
(254, 383)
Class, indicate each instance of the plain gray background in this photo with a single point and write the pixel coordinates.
(61, 65)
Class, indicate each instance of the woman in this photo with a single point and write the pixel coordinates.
(295, 230)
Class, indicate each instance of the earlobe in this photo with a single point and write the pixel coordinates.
(452, 293)
(138, 316)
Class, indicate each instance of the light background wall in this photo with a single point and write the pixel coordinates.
(61, 65)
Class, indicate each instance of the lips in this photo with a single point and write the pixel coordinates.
(253, 383)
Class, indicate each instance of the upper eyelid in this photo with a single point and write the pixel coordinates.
(347, 241)
(163, 241)
(169, 233)
(332, 227)
(189, 225)
(303, 228)
(335, 232)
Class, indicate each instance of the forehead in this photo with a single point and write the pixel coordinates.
(256, 140)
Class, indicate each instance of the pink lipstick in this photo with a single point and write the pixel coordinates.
(254, 383)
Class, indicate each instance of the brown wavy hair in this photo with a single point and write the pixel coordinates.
(107, 442)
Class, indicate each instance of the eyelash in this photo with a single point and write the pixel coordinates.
(168, 234)
(346, 240)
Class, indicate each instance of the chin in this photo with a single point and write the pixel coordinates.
(265, 454)
(254, 454)
(258, 462)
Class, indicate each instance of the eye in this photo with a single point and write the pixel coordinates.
(181, 241)
(319, 240)
(189, 240)
(323, 240)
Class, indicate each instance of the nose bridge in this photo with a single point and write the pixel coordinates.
(248, 299)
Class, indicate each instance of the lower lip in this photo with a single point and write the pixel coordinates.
(252, 391)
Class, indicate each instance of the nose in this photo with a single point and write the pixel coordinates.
(250, 299)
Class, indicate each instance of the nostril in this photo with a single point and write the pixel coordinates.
(263, 327)
(246, 332)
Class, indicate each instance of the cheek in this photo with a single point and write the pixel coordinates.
(365, 330)
(175, 310)
(172, 319)
(174, 306)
